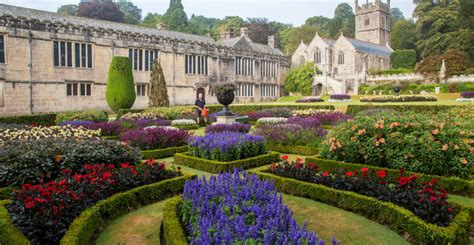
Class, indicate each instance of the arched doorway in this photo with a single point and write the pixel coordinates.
(201, 91)
(318, 89)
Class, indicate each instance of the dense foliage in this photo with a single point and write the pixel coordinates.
(234, 127)
(235, 209)
(120, 93)
(227, 146)
(30, 161)
(419, 143)
(87, 115)
(405, 59)
(300, 79)
(156, 138)
(44, 212)
(101, 10)
(457, 62)
(158, 96)
(426, 200)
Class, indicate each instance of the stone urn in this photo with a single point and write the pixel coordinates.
(225, 95)
(396, 89)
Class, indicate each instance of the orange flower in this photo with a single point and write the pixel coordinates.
(435, 132)
(456, 147)
(58, 158)
(361, 132)
(463, 161)
(382, 140)
(441, 125)
(445, 147)
(395, 124)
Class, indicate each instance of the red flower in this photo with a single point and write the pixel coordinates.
(350, 174)
(312, 166)
(432, 199)
(88, 167)
(106, 176)
(62, 183)
(161, 166)
(402, 170)
(364, 170)
(284, 158)
(326, 173)
(421, 200)
(450, 210)
(381, 173)
(298, 165)
(125, 165)
(273, 167)
(67, 171)
(111, 166)
(29, 205)
(27, 186)
(433, 182)
(77, 177)
(40, 200)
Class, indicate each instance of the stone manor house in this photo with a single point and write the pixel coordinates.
(51, 62)
(345, 62)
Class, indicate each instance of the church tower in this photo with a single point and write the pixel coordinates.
(373, 22)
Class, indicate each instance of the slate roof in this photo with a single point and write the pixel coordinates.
(328, 41)
(244, 42)
(54, 17)
(370, 47)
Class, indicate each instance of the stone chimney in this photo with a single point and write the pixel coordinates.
(272, 41)
(244, 31)
(226, 35)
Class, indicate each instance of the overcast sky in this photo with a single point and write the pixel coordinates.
(288, 11)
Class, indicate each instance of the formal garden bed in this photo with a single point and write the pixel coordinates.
(402, 98)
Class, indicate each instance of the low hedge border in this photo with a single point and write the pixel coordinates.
(453, 185)
(243, 109)
(398, 219)
(9, 234)
(187, 127)
(37, 119)
(115, 137)
(5, 193)
(163, 153)
(90, 222)
(355, 109)
(298, 150)
(216, 167)
(173, 232)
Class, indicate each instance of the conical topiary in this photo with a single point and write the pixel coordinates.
(158, 92)
(120, 92)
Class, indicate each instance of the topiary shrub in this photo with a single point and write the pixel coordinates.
(158, 91)
(120, 92)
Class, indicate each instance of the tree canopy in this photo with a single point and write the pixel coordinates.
(175, 18)
(100, 10)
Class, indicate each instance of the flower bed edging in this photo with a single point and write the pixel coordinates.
(453, 185)
(10, 234)
(111, 137)
(163, 153)
(298, 150)
(172, 229)
(84, 227)
(397, 218)
(216, 167)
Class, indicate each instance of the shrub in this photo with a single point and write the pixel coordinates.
(266, 220)
(403, 59)
(340, 97)
(158, 91)
(36, 133)
(36, 119)
(417, 143)
(88, 115)
(292, 134)
(403, 98)
(234, 127)
(300, 79)
(467, 95)
(427, 200)
(456, 63)
(156, 138)
(44, 212)
(30, 161)
(120, 92)
(271, 120)
(226, 146)
(310, 100)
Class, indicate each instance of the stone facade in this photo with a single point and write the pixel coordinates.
(346, 61)
(43, 71)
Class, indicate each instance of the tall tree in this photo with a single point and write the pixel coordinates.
(151, 20)
(158, 92)
(404, 35)
(395, 15)
(175, 19)
(132, 14)
(68, 9)
(323, 23)
(201, 25)
(343, 21)
(100, 10)
(260, 29)
(291, 38)
(228, 23)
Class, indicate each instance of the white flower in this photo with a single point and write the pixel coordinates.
(271, 120)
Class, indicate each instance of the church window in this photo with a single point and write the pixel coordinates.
(142, 59)
(64, 56)
(142, 90)
(302, 60)
(2, 50)
(195, 64)
(76, 89)
(244, 66)
(318, 56)
(340, 58)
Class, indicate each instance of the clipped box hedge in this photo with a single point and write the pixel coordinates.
(355, 109)
(115, 137)
(216, 167)
(298, 150)
(37, 119)
(173, 232)
(400, 220)
(451, 184)
(163, 153)
(5, 193)
(92, 220)
(244, 109)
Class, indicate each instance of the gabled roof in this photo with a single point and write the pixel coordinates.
(80, 21)
(243, 42)
(328, 41)
(372, 48)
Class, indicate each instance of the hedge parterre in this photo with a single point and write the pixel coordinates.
(427, 200)
(44, 212)
(238, 208)
(226, 146)
(156, 138)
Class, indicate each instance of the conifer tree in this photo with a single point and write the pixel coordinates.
(158, 92)
(175, 19)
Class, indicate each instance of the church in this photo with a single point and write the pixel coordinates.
(51, 62)
(345, 62)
